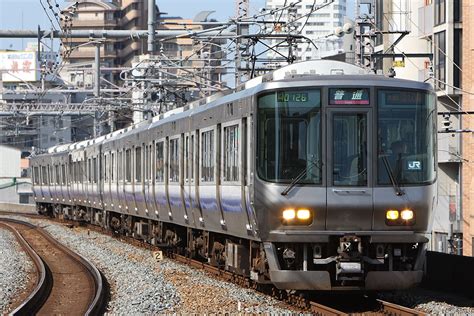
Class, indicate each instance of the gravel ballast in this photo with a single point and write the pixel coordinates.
(16, 269)
(141, 285)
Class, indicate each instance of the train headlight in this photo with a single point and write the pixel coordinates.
(407, 215)
(289, 214)
(392, 215)
(303, 214)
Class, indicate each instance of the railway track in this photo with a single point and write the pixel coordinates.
(66, 283)
(298, 301)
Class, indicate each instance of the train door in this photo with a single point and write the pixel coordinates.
(349, 180)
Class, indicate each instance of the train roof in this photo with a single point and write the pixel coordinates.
(329, 71)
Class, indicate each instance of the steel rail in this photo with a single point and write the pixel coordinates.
(99, 302)
(398, 310)
(44, 283)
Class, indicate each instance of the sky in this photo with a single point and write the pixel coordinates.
(27, 14)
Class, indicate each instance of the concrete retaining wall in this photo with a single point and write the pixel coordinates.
(18, 208)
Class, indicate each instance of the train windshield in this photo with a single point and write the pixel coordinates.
(406, 137)
(289, 136)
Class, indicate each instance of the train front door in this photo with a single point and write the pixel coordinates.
(349, 172)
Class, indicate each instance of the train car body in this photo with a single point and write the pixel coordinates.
(317, 176)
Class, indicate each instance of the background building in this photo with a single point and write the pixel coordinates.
(318, 26)
(15, 184)
(103, 15)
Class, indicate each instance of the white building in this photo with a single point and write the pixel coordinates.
(15, 187)
(318, 26)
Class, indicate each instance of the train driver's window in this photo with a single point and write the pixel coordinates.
(406, 137)
(350, 149)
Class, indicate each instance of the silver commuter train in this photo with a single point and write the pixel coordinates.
(317, 176)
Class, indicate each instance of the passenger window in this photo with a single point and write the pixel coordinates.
(174, 160)
(128, 167)
(186, 158)
(63, 170)
(160, 163)
(120, 166)
(207, 154)
(112, 167)
(191, 159)
(43, 174)
(231, 153)
(94, 169)
(138, 164)
(56, 174)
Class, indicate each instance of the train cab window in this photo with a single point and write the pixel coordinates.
(174, 160)
(128, 165)
(289, 136)
(160, 162)
(349, 149)
(207, 154)
(138, 164)
(406, 137)
(231, 153)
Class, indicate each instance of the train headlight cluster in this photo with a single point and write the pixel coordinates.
(291, 216)
(395, 217)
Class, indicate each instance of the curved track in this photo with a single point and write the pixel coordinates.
(66, 284)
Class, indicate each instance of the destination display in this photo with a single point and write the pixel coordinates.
(284, 96)
(349, 96)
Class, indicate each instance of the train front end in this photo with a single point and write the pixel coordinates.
(345, 180)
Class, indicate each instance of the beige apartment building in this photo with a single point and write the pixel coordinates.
(103, 15)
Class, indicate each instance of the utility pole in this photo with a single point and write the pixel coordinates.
(241, 13)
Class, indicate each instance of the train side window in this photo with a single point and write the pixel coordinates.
(174, 160)
(128, 167)
(207, 154)
(231, 153)
(138, 164)
(148, 162)
(94, 170)
(104, 167)
(63, 171)
(35, 175)
(191, 159)
(120, 166)
(186, 159)
(160, 163)
(112, 167)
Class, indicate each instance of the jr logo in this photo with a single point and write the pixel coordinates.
(414, 165)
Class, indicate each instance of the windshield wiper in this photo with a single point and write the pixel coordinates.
(394, 181)
(300, 176)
